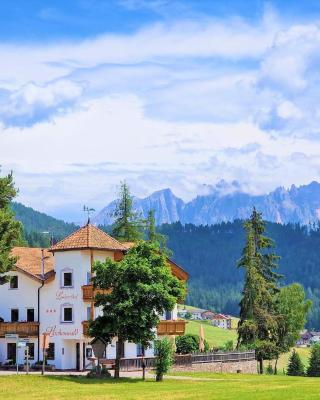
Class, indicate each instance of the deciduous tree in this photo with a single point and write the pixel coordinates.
(141, 288)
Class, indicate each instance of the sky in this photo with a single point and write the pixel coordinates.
(160, 93)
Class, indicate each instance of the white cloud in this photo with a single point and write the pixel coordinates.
(180, 105)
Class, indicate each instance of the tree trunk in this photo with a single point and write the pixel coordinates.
(261, 366)
(118, 358)
(159, 377)
(276, 366)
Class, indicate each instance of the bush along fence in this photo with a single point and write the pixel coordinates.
(234, 361)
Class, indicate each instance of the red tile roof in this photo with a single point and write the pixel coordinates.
(88, 237)
(30, 262)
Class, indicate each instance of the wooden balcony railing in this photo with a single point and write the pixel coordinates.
(23, 329)
(172, 327)
(89, 293)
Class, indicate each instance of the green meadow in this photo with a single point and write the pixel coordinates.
(208, 386)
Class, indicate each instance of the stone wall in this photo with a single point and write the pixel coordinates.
(244, 367)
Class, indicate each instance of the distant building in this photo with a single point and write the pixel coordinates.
(222, 321)
(308, 339)
(208, 315)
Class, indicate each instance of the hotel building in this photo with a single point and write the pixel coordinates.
(50, 291)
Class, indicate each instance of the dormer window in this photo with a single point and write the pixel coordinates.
(67, 278)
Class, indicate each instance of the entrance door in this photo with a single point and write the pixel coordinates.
(12, 352)
(78, 356)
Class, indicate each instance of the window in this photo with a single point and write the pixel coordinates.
(88, 313)
(12, 352)
(14, 315)
(67, 279)
(140, 350)
(30, 314)
(88, 278)
(67, 314)
(50, 352)
(168, 315)
(14, 282)
(31, 350)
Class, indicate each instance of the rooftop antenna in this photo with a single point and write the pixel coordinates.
(88, 210)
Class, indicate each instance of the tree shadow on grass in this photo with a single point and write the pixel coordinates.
(89, 381)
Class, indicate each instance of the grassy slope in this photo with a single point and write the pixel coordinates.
(222, 387)
(215, 336)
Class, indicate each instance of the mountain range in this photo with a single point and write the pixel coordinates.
(226, 202)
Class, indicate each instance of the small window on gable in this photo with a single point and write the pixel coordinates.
(14, 282)
(67, 279)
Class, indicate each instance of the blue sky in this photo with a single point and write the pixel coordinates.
(179, 93)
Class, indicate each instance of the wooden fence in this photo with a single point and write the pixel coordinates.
(135, 364)
(211, 357)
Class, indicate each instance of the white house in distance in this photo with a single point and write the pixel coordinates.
(221, 321)
(50, 291)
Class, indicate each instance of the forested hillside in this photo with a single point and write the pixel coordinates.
(35, 223)
(210, 254)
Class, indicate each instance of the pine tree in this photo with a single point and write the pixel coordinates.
(10, 229)
(127, 225)
(258, 322)
(295, 366)
(314, 362)
(153, 236)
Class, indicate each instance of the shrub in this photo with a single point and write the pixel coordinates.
(314, 362)
(189, 343)
(164, 358)
(269, 369)
(295, 366)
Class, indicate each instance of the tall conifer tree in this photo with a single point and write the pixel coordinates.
(10, 229)
(127, 225)
(258, 320)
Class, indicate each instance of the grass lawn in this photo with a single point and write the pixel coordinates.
(222, 387)
(215, 336)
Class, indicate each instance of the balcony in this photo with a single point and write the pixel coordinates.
(172, 327)
(23, 329)
(89, 293)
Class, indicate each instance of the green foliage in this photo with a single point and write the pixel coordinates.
(35, 222)
(292, 309)
(209, 254)
(127, 226)
(228, 346)
(314, 362)
(153, 236)
(10, 229)
(269, 370)
(164, 358)
(295, 365)
(142, 289)
(258, 319)
(189, 343)
(188, 315)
